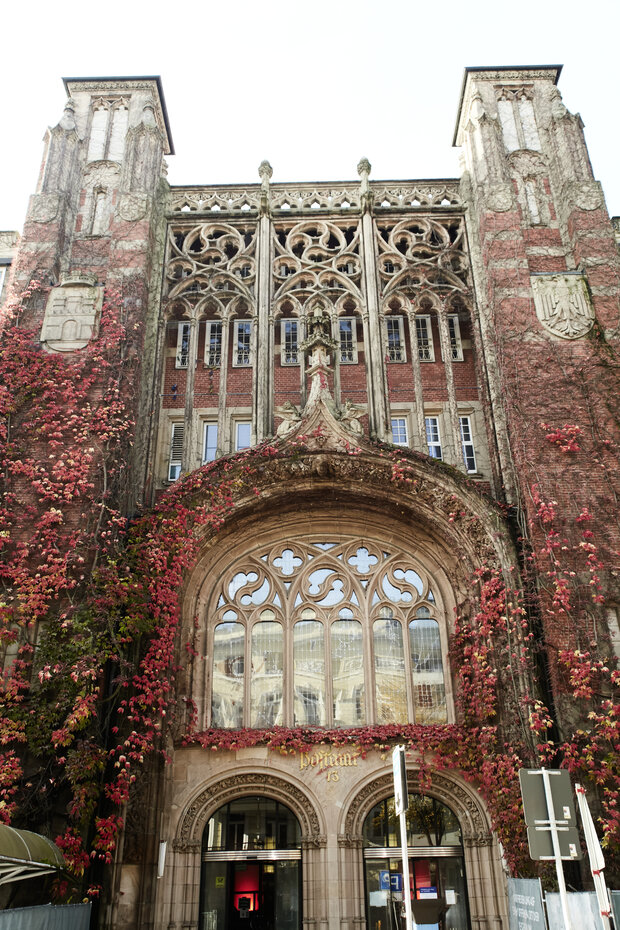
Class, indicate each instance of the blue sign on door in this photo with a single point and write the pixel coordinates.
(389, 882)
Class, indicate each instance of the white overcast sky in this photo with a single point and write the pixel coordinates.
(312, 86)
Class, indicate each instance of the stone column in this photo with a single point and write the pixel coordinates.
(375, 363)
(353, 898)
(454, 453)
(189, 439)
(419, 433)
(263, 356)
(222, 425)
(314, 883)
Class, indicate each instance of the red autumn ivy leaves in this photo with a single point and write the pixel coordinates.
(100, 601)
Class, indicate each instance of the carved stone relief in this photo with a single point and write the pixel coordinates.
(72, 314)
(44, 207)
(586, 195)
(191, 826)
(563, 304)
(500, 198)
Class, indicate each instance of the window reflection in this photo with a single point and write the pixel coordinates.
(428, 683)
(347, 673)
(390, 686)
(228, 672)
(309, 673)
(429, 823)
(267, 669)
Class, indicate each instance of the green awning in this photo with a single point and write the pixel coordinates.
(25, 855)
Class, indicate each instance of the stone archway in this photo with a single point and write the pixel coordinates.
(197, 813)
(180, 897)
(485, 877)
(462, 799)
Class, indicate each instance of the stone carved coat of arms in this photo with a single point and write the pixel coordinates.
(563, 304)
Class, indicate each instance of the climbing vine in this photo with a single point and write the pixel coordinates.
(90, 612)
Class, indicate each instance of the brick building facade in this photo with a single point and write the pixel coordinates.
(420, 377)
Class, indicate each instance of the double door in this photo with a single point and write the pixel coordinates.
(258, 892)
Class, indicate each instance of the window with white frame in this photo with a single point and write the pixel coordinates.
(183, 333)
(433, 437)
(424, 335)
(243, 435)
(3, 270)
(213, 344)
(467, 444)
(348, 340)
(454, 332)
(289, 341)
(209, 447)
(242, 343)
(339, 608)
(108, 132)
(176, 451)
(395, 339)
(399, 431)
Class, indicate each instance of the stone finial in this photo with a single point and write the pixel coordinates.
(67, 120)
(265, 172)
(558, 110)
(148, 114)
(364, 168)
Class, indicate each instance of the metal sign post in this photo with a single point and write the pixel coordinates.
(551, 821)
(559, 868)
(401, 802)
(595, 854)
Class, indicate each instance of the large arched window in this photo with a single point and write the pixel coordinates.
(328, 631)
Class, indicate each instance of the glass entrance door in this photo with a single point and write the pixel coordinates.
(250, 895)
(436, 866)
(251, 867)
(438, 897)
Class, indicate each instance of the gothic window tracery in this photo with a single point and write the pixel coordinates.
(326, 632)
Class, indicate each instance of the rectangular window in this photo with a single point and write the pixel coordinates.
(399, 431)
(456, 346)
(241, 351)
(424, 333)
(289, 340)
(433, 438)
(243, 436)
(213, 344)
(183, 332)
(467, 444)
(348, 341)
(209, 449)
(395, 339)
(176, 451)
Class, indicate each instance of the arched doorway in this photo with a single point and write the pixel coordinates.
(251, 867)
(436, 866)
